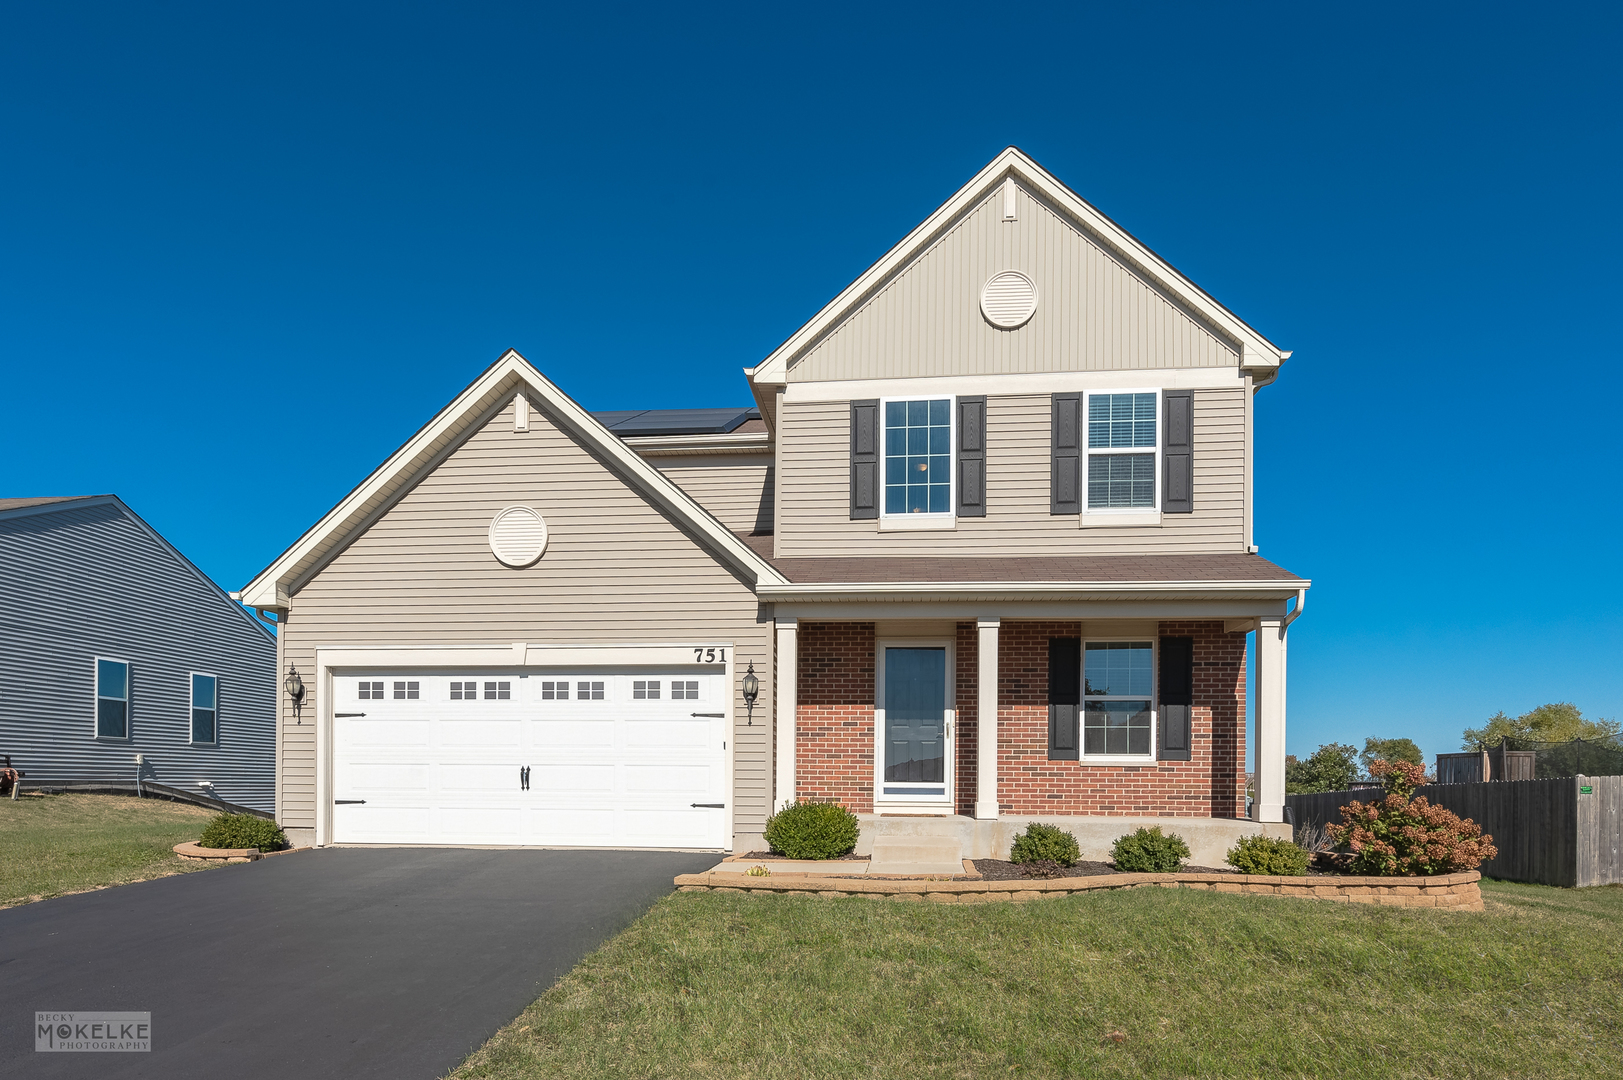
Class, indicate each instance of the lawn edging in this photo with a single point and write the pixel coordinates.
(194, 852)
(1453, 892)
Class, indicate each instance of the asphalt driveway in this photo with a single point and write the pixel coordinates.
(346, 962)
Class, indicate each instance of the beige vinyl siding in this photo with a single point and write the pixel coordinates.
(615, 571)
(1093, 313)
(736, 488)
(814, 510)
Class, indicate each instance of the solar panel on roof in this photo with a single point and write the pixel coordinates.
(676, 421)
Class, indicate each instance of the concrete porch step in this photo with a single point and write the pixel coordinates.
(906, 854)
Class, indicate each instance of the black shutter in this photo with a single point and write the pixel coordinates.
(864, 459)
(1178, 450)
(1064, 698)
(1177, 695)
(1066, 483)
(972, 456)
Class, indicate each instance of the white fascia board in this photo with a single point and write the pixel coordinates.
(1012, 162)
(1040, 382)
(521, 654)
(269, 588)
(1020, 591)
(751, 442)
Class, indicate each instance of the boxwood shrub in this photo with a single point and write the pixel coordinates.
(812, 830)
(1045, 843)
(242, 831)
(1267, 855)
(1149, 851)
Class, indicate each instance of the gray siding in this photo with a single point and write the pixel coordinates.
(814, 514)
(616, 570)
(736, 488)
(89, 581)
(1093, 313)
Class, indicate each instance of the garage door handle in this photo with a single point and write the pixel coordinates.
(711, 805)
(347, 802)
(717, 715)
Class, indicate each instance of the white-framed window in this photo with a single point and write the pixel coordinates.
(917, 467)
(366, 690)
(498, 690)
(112, 699)
(589, 691)
(205, 709)
(464, 690)
(1122, 473)
(407, 690)
(685, 690)
(1118, 700)
(645, 689)
(552, 690)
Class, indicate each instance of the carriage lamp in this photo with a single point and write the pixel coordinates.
(752, 690)
(295, 689)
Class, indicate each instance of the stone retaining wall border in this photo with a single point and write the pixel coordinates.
(1453, 892)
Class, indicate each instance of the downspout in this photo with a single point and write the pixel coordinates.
(1301, 601)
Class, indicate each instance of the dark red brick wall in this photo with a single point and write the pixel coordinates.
(834, 743)
(834, 734)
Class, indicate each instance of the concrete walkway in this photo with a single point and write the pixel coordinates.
(352, 963)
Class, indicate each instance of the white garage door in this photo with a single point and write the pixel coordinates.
(624, 758)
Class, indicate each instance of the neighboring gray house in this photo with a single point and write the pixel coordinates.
(113, 646)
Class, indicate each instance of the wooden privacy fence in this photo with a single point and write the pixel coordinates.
(1566, 831)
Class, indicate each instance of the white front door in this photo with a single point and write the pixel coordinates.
(569, 759)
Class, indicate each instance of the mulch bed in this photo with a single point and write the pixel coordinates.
(769, 856)
(1000, 870)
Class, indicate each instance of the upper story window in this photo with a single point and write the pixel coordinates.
(112, 699)
(205, 708)
(1123, 440)
(918, 457)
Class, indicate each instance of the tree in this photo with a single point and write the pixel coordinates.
(1389, 750)
(1333, 767)
(1557, 722)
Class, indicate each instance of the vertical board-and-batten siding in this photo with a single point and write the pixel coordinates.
(89, 581)
(616, 570)
(736, 488)
(813, 507)
(1093, 313)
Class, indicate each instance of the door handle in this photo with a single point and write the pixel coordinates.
(524, 778)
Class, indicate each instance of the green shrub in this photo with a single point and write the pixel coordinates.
(1045, 843)
(1266, 855)
(812, 830)
(242, 831)
(1149, 851)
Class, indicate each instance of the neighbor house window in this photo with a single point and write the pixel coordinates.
(1118, 678)
(918, 456)
(112, 699)
(1122, 445)
(205, 708)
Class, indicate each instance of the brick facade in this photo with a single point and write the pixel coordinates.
(835, 738)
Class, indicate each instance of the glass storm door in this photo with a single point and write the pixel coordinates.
(915, 734)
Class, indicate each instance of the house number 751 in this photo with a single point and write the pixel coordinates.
(709, 656)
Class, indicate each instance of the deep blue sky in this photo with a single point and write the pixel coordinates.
(245, 253)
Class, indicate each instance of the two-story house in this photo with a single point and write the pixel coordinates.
(982, 554)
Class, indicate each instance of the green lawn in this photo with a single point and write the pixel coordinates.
(1194, 983)
(55, 844)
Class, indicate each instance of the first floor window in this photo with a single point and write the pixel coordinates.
(370, 691)
(554, 691)
(406, 691)
(112, 699)
(1118, 701)
(1122, 445)
(589, 691)
(918, 456)
(685, 690)
(205, 710)
(464, 691)
(498, 691)
(642, 690)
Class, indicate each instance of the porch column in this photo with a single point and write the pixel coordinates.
(1268, 802)
(986, 718)
(784, 712)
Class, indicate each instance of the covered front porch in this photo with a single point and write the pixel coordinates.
(1111, 712)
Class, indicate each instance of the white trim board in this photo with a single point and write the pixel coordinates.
(1054, 382)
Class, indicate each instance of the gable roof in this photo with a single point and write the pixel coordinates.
(435, 441)
(1256, 352)
(19, 508)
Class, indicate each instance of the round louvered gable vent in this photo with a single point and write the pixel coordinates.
(518, 536)
(1009, 300)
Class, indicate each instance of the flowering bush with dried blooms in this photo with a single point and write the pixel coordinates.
(1406, 835)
